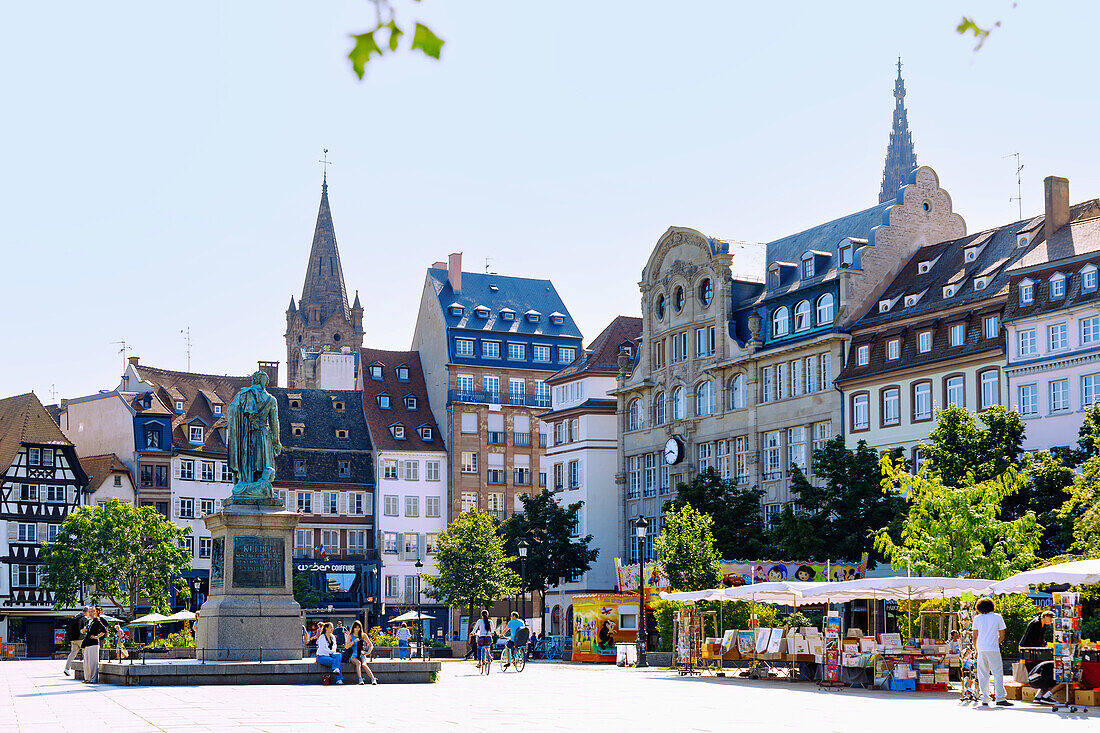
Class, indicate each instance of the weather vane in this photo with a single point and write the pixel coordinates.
(325, 163)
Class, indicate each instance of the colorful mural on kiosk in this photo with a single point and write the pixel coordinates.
(597, 622)
(736, 573)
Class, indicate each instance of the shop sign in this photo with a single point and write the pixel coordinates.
(326, 568)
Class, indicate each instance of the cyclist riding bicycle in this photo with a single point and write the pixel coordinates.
(484, 631)
(513, 627)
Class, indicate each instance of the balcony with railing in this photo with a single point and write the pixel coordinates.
(495, 475)
(496, 437)
(521, 439)
(484, 397)
(336, 553)
(542, 440)
(521, 476)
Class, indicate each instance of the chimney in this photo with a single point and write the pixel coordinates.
(133, 360)
(454, 271)
(271, 368)
(1056, 204)
(439, 265)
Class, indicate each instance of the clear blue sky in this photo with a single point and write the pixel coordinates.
(160, 159)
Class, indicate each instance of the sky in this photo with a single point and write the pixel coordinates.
(160, 167)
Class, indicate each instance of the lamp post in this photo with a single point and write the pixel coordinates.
(523, 575)
(375, 592)
(419, 621)
(640, 527)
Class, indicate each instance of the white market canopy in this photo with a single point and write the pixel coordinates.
(180, 616)
(714, 594)
(411, 616)
(898, 588)
(783, 592)
(149, 619)
(1079, 572)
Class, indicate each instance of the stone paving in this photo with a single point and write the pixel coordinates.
(34, 696)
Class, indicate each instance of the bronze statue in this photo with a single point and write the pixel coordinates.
(253, 443)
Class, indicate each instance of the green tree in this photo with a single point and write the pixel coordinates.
(552, 552)
(1046, 491)
(385, 36)
(1083, 508)
(119, 552)
(739, 530)
(686, 552)
(472, 565)
(984, 446)
(306, 594)
(835, 515)
(1088, 443)
(957, 530)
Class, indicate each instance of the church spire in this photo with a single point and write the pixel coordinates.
(901, 159)
(324, 284)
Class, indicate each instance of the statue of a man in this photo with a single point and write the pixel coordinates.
(253, 423)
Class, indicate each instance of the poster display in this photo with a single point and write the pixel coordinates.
(745, 573)
(596, 625)
(655, 580)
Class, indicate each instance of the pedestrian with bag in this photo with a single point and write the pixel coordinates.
(358, 646)
(328, 653)
(989, 631)
(74, 633)
(93, 637)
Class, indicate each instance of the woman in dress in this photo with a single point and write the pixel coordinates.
(359, 646)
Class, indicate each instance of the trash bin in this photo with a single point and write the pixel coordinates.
(626, 654)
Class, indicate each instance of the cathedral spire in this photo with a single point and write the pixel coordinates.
(324, 284)
(901, 159)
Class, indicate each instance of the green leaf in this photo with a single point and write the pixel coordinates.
(426, 41)
(360, 54)
(395, 34)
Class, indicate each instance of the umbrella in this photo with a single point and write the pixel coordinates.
(150, 619)
(180, 616)
(900, 588)
(411, 616)
(781, 592)
(111, 619)
(692, 596)
(1079, 572)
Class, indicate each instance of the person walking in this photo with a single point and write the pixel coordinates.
(403, 635)
(95, 634)
(74, 631)
(341, 634)
(988, 632)
(120, 641)
(328, 653)
(358, 646)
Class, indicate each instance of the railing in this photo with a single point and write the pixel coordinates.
(521, 439)
(559, 486)
(496, 437)
(497, 514)
(542, 441)
(495, 476)
(542, 479)
(480, 396)
(336, 553)
(521, 477)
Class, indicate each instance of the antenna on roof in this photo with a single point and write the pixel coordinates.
(124, 348)
(187, 340)
(487, 260)
(53, 393)
(1019, 197)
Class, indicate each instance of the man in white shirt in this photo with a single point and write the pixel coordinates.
(988, 633)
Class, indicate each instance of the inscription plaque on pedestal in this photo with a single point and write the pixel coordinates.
(258, 562)
(217, 563)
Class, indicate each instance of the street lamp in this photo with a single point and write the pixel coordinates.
(640, 527)
(419, 621)
(375, 592)
(523, 574)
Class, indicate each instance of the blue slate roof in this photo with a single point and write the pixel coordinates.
(501, 292)
(826, 237)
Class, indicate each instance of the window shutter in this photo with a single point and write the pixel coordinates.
(345, 502)
(420, 545)
(176, 470)
(580, 472)
(314, 497)
(176, 508)
(42, 532)
(70, 494)
(218, 503)
(281, 493)
(401, 545)
(13, 531)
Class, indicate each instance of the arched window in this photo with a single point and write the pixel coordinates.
(659, 409)
(706, 292)
(802, 316)
(780, 321)
(660, 307)
(704, 398)
(678, 299)
(635, 412)
(825, 312)
(678, 403)
(737, 392)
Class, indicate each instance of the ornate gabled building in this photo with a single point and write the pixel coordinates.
(901, 159)
(41, 482)
(321, 321)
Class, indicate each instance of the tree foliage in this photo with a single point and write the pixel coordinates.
(686, 552)
(739, 531)
(386, 37)
(984, 446)
(1083, 508)
(472, 565)
(957, 530)
(306, 594)
(835, 516)
(118, 552)
(1045, 492)
(552, 553)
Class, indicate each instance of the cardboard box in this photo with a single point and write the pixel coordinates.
(1012, 690)
(1085, 697)
(1027, 694)
(854, 633)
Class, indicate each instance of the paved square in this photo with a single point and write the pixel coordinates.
(34, 696)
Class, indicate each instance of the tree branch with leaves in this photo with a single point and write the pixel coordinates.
(686, 551)
(386, 37)
(472, 566)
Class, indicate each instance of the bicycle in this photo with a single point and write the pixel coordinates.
(517, 656)
(485, 655)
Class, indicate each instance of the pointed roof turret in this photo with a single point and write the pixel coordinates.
(356, 303)
(291, 309)
(901, 159)
(324, 284)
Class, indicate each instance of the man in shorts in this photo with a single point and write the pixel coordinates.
(514, 625)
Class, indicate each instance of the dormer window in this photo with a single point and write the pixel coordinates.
(773, 276)
(295, 403)
(781, 321)
(384, 401)
(179, 407)
(341, 433)
(981, 282)
(398, 431)
(195, 434)
(948, 290)
(147, 401)
(481, 312)
(807, 267)
(455, 309)
(507, 314)
(402, 374)
(426, 433)
(846, 256)
(893, 349)
(410, 402)
(1057, 286)
(297, 429)
(532, 316)
(338, 405)
(1022, 240)
(912, 300)
(1088, 279)
(886, 304)
(863, 355)
(217, 409)
(970, 254)
(376, 372)
(926, 265)
(557, 319)
(924, 342)
(1027, 292)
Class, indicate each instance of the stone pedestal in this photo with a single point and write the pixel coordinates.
(250, 613)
